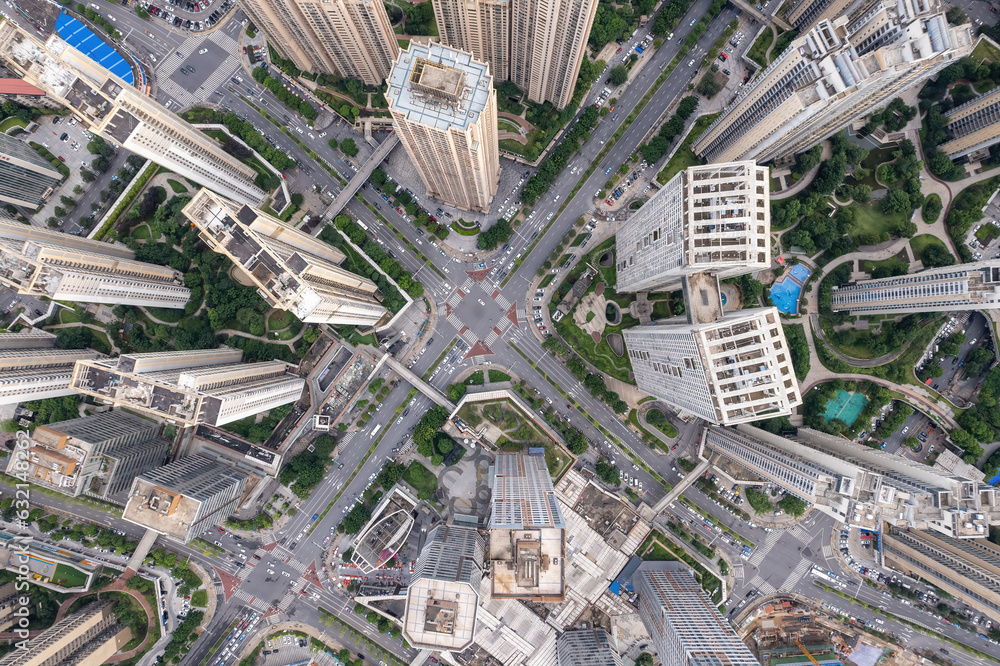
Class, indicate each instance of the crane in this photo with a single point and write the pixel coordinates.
(805, 651)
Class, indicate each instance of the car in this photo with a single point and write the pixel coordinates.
(693, 21)
(993, 9)
(618, 51)
(723, 57)
(202, 51)
(906, 430)
(607, 171)
(691, 64)
(974, 341)
(62, 159)
(726, 72)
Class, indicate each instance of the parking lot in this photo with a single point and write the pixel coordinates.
(955, 383)
(64, 138)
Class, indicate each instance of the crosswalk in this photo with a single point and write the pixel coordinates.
(244, 572)
(827, 551)
(798, 572)
(244, 596)
(286, 601)
(799, 532)
(298, 566)
(764, 549)
(491, 338)
(281, 553)
(469, 337)
(502, 301)
(454, 321)
(761, 585)
(467, 285)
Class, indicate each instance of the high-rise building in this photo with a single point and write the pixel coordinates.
(808, 13)
(350, 38)
(183, 499)
(97, 455)
(203, 386)
(292, 270)
(548, 42)
(726, 368)
(480, 27)
(962, 287)
(840, 70)
(685, 626)
(443, 595)
(527, 530)
(587, 647)
(64, 267)
(25, 94)
(444, 110)
(856, 485)
(974, 128)
(968, 570)
(88, 637)
(31, 368)
(125, 116)
(26, 179)
(707, 218)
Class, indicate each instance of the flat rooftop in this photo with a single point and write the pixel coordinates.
(703, 297)
(528, 564)
(161, 510)
(440, 614)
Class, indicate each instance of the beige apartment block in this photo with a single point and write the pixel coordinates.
(62, 267)
(124, 115)
(808, 13)
(444, 109)
(974, 128)
(292, 270)
(88, 637)
(31, 368)
(840, 70)
(350, 38)
(548, 42)
(481, 27)
(715, 218)
(26, 178)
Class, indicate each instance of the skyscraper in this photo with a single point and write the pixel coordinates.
(962, 287)
(685, 626)
(444, 110)
(25, 177)
(587, 647)
(707, 218)
(97, 455)
(207, 386)
(527, 530)
(292, 270)
(183, 499)
(31, 368)
(124, 115)
(87, 637)
(974, 127)
(807, 13)
(443, 595)
(840, 70)
(548, 42)
(350, 38)
(481, 27)
(726, 368)
(64, 267)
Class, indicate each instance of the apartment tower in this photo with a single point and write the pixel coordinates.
(808, 13)
(480, 27)
(350, 38)
(203, 386)
(292, 270)
(26, 179)
(444, 110)
(974, 128)
(842, 69)
(726, 368)
(63, 267)
(859, 486)
(183, 499)
(88, 637)
(31, 368)
(684, 624)
(443, 595)
(962, 287)
(707, 218)
(587, 647)
(125, 116)
(548, 42)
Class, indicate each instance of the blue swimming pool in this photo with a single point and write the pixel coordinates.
(800, 272)
(785, 294)
(82, 39)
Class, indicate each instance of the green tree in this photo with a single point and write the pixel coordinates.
(618, 75)
(349, 147)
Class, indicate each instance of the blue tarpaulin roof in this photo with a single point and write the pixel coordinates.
(82, 39)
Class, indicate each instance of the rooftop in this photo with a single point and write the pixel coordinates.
(167, 512)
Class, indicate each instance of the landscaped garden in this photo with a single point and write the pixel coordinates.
(516, 431)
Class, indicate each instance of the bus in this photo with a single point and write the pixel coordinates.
(362, 225)
(377, 428)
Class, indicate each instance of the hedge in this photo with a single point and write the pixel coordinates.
(52, 159)
(124, 204)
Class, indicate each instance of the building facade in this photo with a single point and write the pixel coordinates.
(479, 27)
(962, 287)
(31, 368)
(808, 13)
(857, 485)
(350, 38)
(292, 270)
(840, 70)
(707, 218)
(587, 647)
(548, 42)
(443, 596)
(685, 626)
(183, 499)
(97, 455)
(124, 115)
(88, 637)
(48, 264)
(974, 128)
(26, 179)
(444, 110)
(203, 386)
(25, 94)
(725, 368)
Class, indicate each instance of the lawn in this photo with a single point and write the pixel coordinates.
(499, 376)
(178, 188)
(759, 49)
(462, 231)
(169, 315)
(661, 309)
(891, 262)
(12, 121)
(200, 599)
(685, 157)
(140, 232)
(68, 317)
(403, 44)
(599, 354)
(279, 320)
(578, 240)
(68, 576)
(985, 51)
(505, 125)
(546, 281)
(422, 480)
(920, 243)
(870, 218)
(987, 232)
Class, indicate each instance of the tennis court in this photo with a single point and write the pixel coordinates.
(82, 39)
(845, 406)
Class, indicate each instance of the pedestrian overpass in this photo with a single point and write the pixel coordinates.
(359, 179)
